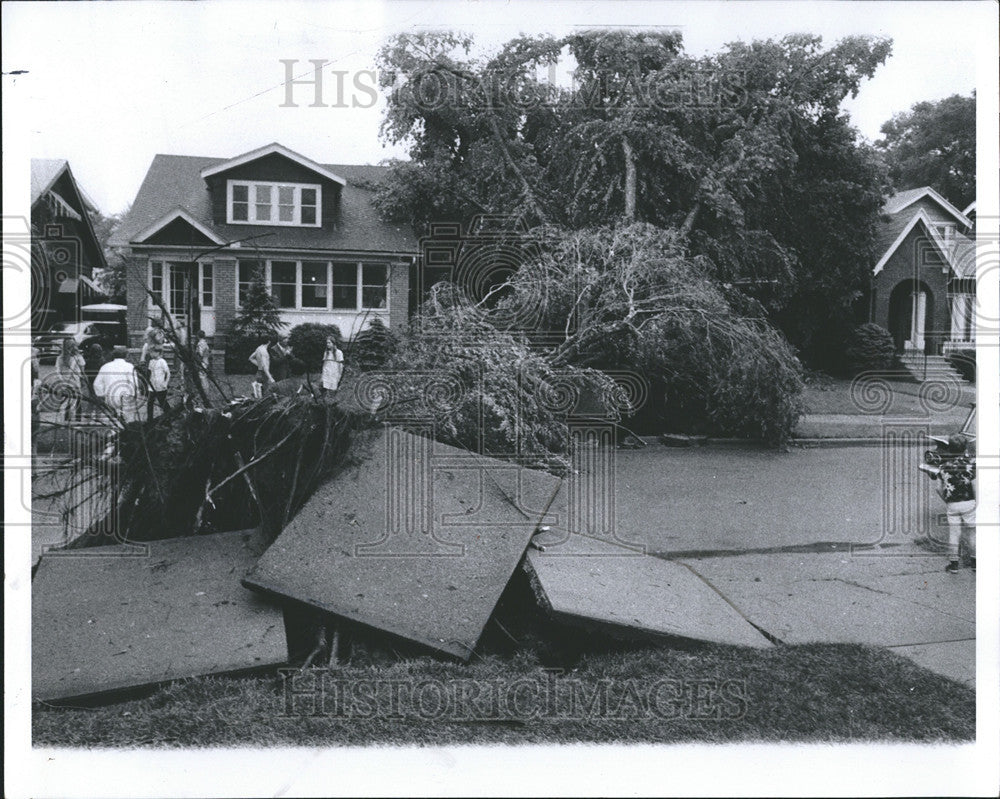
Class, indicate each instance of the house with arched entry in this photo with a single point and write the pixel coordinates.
(924, 284)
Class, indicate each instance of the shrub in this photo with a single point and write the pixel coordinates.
(869, 346)
(258, 319)
(238, 351)
(372, 347)
(308, 343)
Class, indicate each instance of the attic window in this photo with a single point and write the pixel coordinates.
(267, 203)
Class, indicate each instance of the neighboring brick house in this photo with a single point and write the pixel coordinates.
(924, 284)
(203, 224)
(65, 250)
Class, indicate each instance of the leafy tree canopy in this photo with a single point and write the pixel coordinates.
(934, 144)
(745, 153)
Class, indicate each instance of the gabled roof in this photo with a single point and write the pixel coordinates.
(44, 173)
(175, 181)
(901, 230)
(963, 256)
(269, 149)
(166, 219)
(904, 199)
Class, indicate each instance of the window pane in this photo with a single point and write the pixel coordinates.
(286, 204)
(241, 194)
(373, 285)
(284, 294)
(345, 297)
(308, 210)
(283, 272)
(314, 289)
(373, 297)
(263, 194)
(345, 286)
(373, 274)
(283, 282)
(156, 279)
(345, 274)
(207, 286)
(240, 211)
(246, 272)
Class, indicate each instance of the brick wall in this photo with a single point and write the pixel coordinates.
(224, 272)
(137, 316)
(399, 293)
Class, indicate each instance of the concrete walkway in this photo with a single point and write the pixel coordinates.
(836, 545)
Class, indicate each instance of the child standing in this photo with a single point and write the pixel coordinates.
(333, 366)
(159, 381)
(956, 478)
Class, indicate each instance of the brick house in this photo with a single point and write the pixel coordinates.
(65, 249)
(923, 287)
(200, 227)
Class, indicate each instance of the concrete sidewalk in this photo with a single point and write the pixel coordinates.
(836, 545)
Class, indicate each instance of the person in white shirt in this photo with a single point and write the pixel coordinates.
(118, 386)
(333, 366)
(159, 381)
(261, 358)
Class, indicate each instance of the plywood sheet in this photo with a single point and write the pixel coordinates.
(593, 583)
(418, 540)
(108, 618)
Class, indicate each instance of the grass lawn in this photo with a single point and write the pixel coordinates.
(829, 395)
(706, 693)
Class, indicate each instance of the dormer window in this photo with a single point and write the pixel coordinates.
(267, 203)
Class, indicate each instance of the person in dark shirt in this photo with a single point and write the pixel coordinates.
(956, 477)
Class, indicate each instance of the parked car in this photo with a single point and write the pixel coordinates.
(112, 318)
(50, 343)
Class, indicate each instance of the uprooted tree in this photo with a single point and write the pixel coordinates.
(746, 153)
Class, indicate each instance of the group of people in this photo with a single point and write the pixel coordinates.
(115, 381)
(273, 357)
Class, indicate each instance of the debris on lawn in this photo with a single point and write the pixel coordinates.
(112, 618)
(366, 533)
(419, 541)
(599, 585)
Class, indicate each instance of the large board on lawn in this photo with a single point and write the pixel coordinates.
(417, 540)
(112, 618)
(603, 586)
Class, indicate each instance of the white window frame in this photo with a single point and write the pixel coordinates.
(359, 285)
(274, 186)
(163, 282)
(201, 284)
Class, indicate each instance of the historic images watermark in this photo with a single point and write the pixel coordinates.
(547, 697)
(478, 262)
(313, 83)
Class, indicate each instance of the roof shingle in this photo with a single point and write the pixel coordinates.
(175, 181)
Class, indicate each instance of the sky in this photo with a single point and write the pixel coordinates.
(109, 85)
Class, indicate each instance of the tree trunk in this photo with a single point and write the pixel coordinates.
(690, 219)
(629, 180)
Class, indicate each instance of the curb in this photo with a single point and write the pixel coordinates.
(747, 443)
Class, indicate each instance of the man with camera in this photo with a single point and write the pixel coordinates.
(956, 476)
